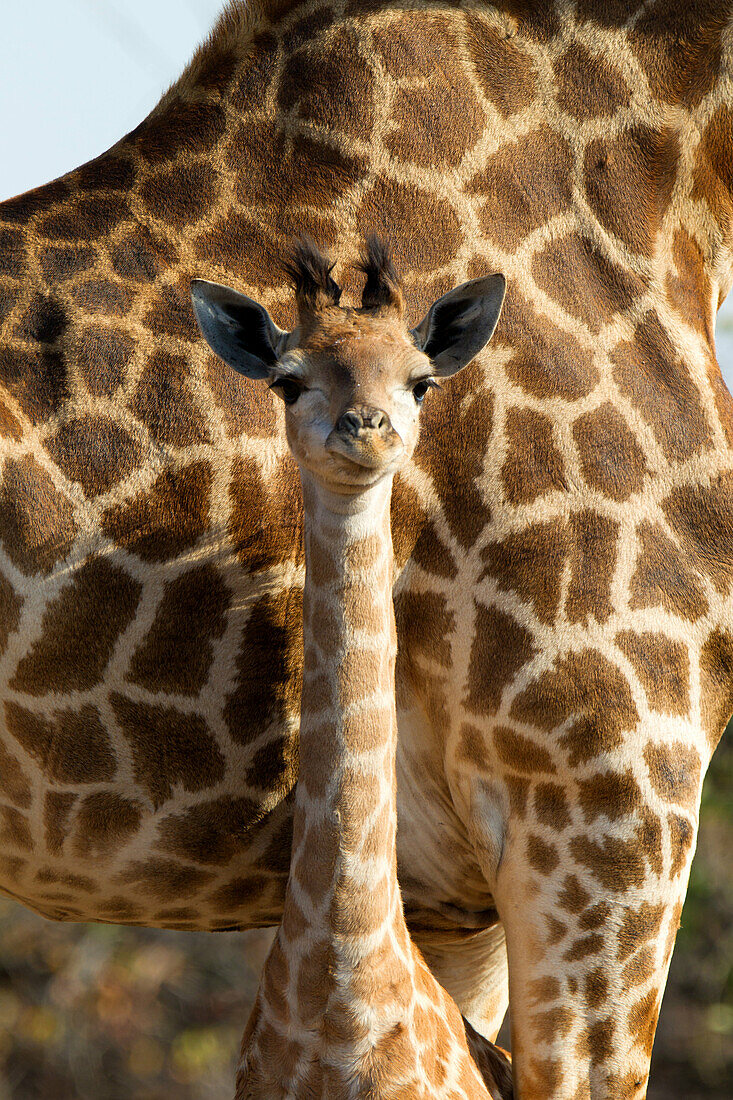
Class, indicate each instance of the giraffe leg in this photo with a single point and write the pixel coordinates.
(589, 941)
(494, 1064)
(473, 969)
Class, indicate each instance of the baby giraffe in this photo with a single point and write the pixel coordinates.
(347, 1008)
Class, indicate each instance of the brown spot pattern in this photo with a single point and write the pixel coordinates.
(610, 794)
(629, 181)
(94, 451)
(638, 926)
(584, 281)
(501, 647)
(592, 564)
(331, 86)
(456, 477)
(674, 771)
(210, 832)
(425, 626)
(700, 516)
(588, 86)
(437, 122)
(170, 749)
(533, 466)
(689, 289)
(516, 197)
(697, 44)
(663, 578)
(551, 805)
(530, 563)
(663, 666)
(266, 519)
(610, 457)
(521, 753)
(164, 879)
(102, 355)
(587, 688)
(650, 373)
(181, 194)
(541, 856)
(681, 840)
(505, 72)
(11, 605)
(104, 823)
(167, 519)
(178, 650)
(164, 403)
(616, 864)
(77, 642)
(268, 664)
(716, 683)
(57, 808)
(14, 783)
(72, 747)
(388, 203)
(546, 361)
(36, 520)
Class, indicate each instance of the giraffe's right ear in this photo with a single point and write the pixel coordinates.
(237, 328)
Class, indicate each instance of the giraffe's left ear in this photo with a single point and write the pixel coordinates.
(460, 324)
(237, 328)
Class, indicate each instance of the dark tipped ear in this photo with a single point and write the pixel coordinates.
(237, 328)
(461, 323)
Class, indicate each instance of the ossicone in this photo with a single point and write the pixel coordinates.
(310, 272)
(383, 289)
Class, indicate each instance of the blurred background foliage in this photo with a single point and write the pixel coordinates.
(98, 1012)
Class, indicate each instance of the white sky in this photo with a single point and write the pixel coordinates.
(75, 75)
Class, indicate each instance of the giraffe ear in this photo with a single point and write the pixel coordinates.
(460, 324)
(237, 328)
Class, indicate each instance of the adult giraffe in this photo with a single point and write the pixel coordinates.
(563, 608)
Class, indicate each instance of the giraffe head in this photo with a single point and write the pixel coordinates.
(352, 380)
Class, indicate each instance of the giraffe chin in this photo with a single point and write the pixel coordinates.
(372, 456)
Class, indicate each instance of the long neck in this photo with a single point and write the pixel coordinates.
(343, 906)
(346, 786)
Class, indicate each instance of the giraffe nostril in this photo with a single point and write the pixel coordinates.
(349, 423)
(354, 421)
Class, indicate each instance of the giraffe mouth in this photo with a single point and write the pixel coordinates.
(364, 454)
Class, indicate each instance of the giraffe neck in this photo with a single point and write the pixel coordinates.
(343, 905)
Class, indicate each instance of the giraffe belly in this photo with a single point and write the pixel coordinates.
(148, 740)
(145, 757)
(210, 860)
(88, 867)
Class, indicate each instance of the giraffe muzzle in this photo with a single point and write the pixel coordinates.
(365, 436)
(359, 421)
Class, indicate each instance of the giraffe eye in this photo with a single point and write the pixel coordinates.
(288, 389)
(421, 388)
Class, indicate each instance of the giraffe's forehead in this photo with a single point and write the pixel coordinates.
(352, 345)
